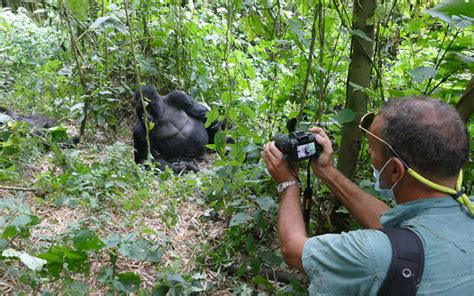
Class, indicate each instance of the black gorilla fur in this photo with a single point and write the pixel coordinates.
(178, 135)
(38, 125)
(35, 120)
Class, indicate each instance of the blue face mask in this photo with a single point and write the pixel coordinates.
(384, 192)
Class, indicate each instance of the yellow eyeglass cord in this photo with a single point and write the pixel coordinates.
(457, 194)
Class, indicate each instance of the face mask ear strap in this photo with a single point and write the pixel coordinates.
(457, 194)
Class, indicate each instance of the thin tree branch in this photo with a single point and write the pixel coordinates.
(308, 67)
(13, 188)
(438, 62)
(77, 57)
(137, 76)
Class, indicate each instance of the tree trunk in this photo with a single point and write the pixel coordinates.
(359, 73)
(465, 105)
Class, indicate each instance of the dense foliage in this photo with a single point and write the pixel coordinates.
(255, 64)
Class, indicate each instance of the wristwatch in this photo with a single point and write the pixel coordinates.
(285, 184)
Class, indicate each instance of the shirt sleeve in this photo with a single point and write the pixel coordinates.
(350, 263)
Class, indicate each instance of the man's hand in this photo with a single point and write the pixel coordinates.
(324, 161)
(365, 208)
(278, 167)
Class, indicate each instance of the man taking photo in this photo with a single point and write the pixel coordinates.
(418, 147)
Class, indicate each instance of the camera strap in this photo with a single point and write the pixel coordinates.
(308, 193)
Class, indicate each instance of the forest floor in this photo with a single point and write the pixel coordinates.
(183, 240)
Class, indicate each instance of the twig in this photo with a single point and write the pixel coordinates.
(269, 273)
(106, 47)
(13, 188)
(77, 55)
(438, 62)
(137, 76)
(310, 63)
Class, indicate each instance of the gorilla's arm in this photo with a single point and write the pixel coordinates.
(36, 120)
(184, 102)
(151, 96)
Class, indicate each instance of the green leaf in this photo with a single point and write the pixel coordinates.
(113, 240)
(456, 12)
(420, 74)
(57, 256)
(77, 288)
(219, 141)
(266, 203)
(175, 277)
(141, 249)
(247, 111)
(365, 90)
(151, 125)
(259, 280)
(9, 232)
(464, 58)
(33, 263)
(21, 221)
(456, 7)
(3, 244)
(58, 134)
(87, 240)
(99, 22)
(211, 116)
(360, 34)
(344, 116)
(239, 218)
(296, 28)
(129, 282)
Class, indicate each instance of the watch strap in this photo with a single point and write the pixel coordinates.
(285, 184)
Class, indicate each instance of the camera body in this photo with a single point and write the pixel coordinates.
(298, 146)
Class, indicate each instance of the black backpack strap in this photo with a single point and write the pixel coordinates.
(408, 260)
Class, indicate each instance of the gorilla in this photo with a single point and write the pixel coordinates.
(177, 135)
(35, 120)
(38, 123)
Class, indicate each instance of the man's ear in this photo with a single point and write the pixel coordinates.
(398, 170)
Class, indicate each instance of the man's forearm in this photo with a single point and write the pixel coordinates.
(365, 208)
(291, 228)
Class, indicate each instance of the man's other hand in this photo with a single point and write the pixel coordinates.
(324, 161)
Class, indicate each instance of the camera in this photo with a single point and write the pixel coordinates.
(298, 146)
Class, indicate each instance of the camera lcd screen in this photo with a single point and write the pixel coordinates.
(306, 150)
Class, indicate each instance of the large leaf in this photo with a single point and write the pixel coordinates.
(420, 74)
(361, 34)
(127, 282)
(344, 116)
(239, 218)
(87, 240)
(31, 262)
(266, 203)
(211, 116)
(99, 22)
(456, 7)
(456, 12)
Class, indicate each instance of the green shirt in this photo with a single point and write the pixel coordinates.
(356, 262)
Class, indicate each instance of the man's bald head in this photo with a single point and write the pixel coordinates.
(428, 134)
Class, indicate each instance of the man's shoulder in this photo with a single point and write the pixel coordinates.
(357, 241)
(340, 260)
(358, 247)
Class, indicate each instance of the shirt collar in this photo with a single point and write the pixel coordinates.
(403, 212)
